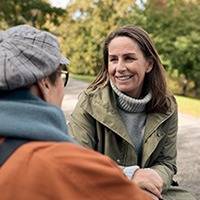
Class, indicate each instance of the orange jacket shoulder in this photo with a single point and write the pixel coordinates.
(50, 170)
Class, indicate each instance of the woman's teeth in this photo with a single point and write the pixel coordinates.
(124, 77)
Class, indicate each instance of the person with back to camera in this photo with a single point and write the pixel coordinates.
(38, 159)
(128, 114)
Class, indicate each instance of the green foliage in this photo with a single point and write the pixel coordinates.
(174, 27)
(37, 13)
(90, 22)
(84, 25)
(172, 24)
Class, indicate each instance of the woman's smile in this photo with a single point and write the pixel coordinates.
(124, 77)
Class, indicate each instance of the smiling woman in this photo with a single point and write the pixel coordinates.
(128, 114)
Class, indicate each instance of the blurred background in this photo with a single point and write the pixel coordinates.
(82, 25)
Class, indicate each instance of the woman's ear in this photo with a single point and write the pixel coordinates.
(149, 65)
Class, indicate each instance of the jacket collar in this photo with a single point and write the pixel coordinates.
(153, 121)
(102, 105)
(151, 135)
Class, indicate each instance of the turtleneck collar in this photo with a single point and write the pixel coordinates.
(130, 104)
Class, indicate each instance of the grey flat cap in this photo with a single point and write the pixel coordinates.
(27, 55)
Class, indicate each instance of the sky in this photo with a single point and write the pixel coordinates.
(59, 3)
(63, 3)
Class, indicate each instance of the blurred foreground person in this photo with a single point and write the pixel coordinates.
(38, 159)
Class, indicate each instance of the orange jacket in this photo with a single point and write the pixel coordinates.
(63, 171)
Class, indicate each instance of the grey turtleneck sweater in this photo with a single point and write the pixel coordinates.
(133, 115)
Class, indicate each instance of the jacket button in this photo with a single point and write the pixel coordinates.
(158, 134)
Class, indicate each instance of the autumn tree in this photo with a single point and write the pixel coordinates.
(174, 27)
(85, 28)
(38, 13)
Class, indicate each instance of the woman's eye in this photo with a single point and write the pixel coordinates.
(130, 59)
(113, 59)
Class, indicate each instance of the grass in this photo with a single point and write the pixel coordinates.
(186, 105)
(85, 78)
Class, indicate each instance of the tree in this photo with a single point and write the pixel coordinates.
(37, 13)
(85, 28)
(172, 24)
(174, 27)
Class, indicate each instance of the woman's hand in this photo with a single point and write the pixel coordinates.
(150, 180)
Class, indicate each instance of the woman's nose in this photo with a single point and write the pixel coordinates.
(121, 65)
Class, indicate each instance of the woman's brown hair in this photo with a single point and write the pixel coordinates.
(154, 81)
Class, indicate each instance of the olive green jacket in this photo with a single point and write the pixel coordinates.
(96, 123)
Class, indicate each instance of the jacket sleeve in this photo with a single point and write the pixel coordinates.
(99, 177)
(165, 164)
(81, 125)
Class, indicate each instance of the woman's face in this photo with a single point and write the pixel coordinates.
(127, 66)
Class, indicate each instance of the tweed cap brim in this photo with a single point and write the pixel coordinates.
(27, 55)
